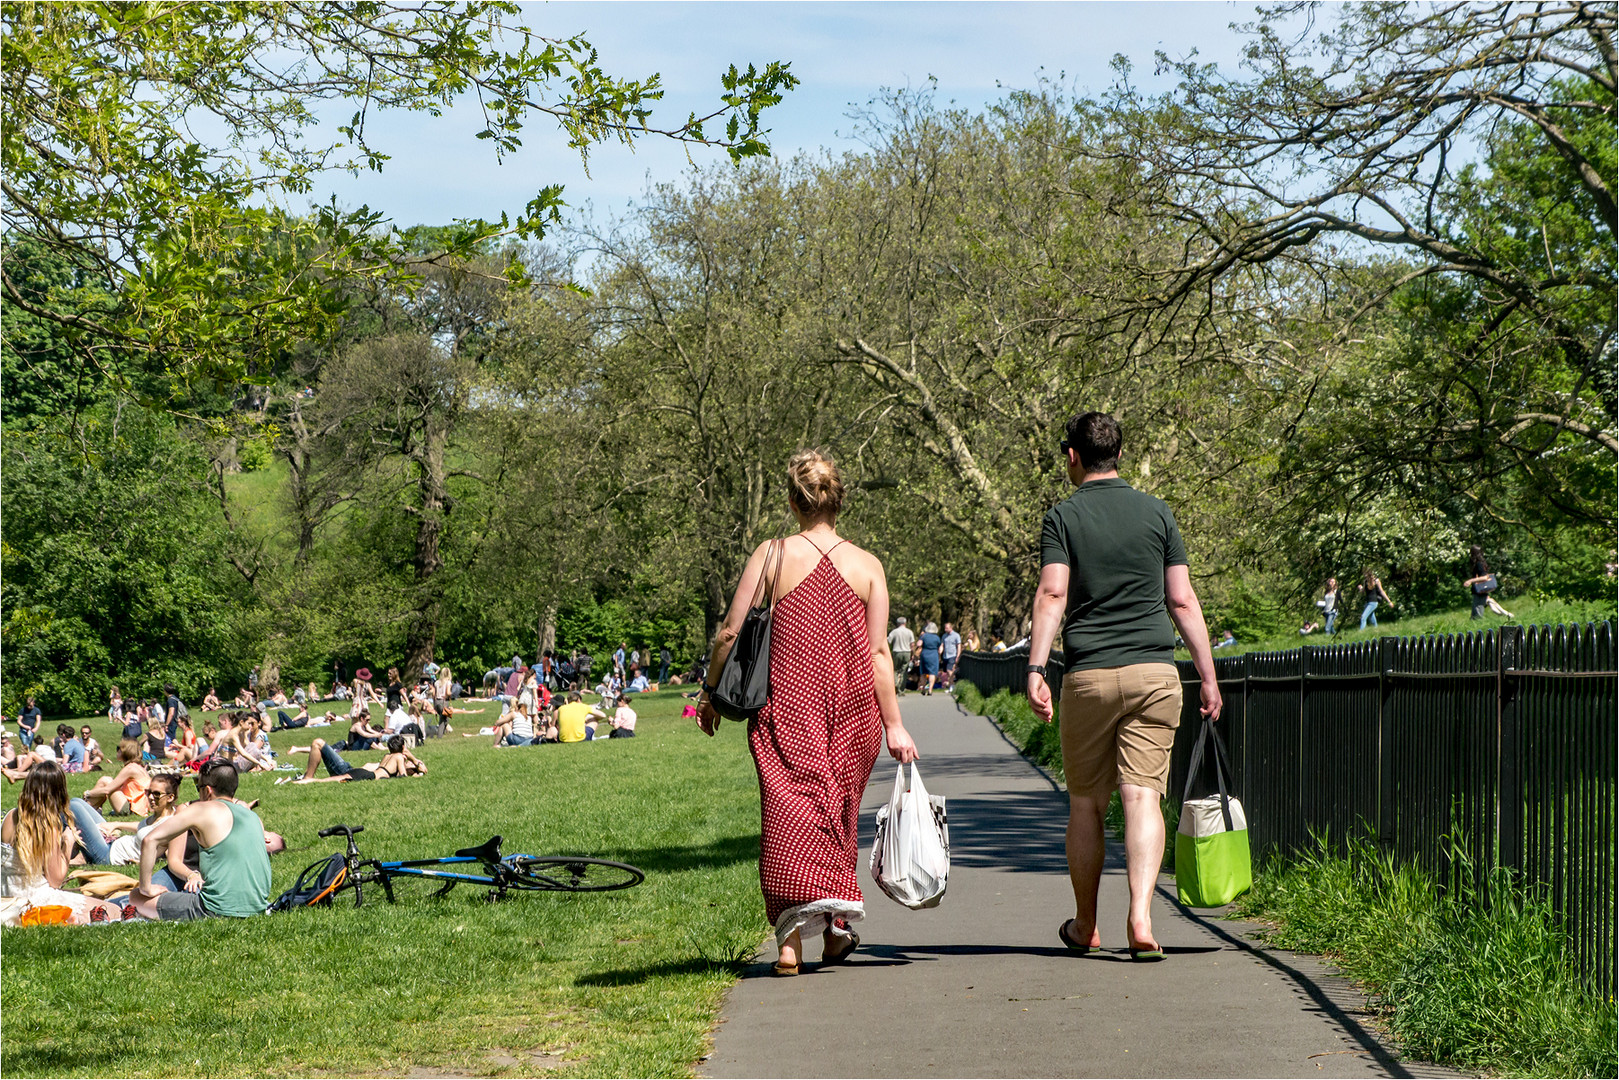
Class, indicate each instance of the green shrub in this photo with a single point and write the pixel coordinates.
(253, 454)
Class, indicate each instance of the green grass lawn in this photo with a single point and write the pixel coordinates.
(613, 984)
(1396, 623)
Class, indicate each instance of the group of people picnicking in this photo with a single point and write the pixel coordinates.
(190, 867)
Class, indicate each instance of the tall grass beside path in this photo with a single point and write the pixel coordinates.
(1476, 977)
(611, 984)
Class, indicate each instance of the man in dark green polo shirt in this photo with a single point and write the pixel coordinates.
(1113, 575)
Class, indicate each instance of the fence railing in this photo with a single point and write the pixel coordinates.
(1498, 747)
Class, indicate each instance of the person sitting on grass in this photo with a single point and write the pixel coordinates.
(397, 762)
(639, 684)
(623, 720)
(576, 720)
(125, 790)
(244, 746)
(92, 750)
(39, 848)
(185, 746)
(515, 727)
(210, 701)
(69, 750)
(120, 841)
(362, 736)
(232, 858)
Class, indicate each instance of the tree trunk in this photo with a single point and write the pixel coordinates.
(548, 630)
(427, 560)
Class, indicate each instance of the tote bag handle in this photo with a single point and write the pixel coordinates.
(1221, 768)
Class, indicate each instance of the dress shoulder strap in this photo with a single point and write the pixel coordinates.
(817, 547)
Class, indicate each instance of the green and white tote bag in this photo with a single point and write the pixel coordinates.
(1212, 861)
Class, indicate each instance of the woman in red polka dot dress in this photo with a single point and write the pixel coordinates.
(832, 702)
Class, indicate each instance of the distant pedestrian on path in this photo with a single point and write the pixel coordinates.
(1111, 559)
(949, 653)
(931, 644)
(1371, 587)
(831, 703)
(1483, 583)
(900, 640)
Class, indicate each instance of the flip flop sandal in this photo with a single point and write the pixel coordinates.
(1072, 945)
(1146, 956)
(842, 955)
(779, 968)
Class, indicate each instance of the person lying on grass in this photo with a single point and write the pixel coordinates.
(233, 862)
(286, 723)
(397, 762)
(125, 790)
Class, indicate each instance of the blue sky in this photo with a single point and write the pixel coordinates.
(843, 52)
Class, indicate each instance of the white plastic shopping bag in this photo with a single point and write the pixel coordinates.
(910, 857)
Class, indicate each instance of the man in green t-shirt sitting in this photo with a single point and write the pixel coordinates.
(234, 866)
(1112, 561)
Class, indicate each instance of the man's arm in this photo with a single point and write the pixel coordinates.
(1050, 604)
(1187, 614)
(176, 824)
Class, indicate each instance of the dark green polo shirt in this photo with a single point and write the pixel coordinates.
(1116, 542)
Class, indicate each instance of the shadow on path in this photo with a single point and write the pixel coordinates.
(1307, 987)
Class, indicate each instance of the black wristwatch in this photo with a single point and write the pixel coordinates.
(1037, 669)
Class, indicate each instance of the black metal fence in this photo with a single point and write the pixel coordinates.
(1463, 752)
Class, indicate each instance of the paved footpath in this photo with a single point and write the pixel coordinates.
(980, 985)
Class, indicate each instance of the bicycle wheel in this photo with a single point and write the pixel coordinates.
(571, 873)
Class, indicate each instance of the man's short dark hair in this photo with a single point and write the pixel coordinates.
(1097, 439)
(64, 730)
(396, 743)
(222, 777)
(168, 688)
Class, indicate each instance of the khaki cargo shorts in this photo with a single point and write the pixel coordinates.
(1118, 727)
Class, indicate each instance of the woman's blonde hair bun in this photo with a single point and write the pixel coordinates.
(813, 483)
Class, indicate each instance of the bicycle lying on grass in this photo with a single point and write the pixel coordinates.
(322, 881)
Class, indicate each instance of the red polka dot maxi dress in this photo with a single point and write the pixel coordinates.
(814, 744)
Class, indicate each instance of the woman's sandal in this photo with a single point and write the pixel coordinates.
(842, 955)
(780, 968)
(1083, 949)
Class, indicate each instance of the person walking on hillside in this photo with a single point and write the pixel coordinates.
(1483, 583)
(900, 640)
(831, 704)
(1330, 603)
(1371, 587)
(1111, 560)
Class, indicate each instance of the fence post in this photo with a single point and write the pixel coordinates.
(1304, 746)
(1385, 755)
(1509, 796)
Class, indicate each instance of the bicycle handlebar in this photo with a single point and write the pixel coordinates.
(346, 830)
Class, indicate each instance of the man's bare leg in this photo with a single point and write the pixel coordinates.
(1085, 855)
(1143, 856)
(314, 758)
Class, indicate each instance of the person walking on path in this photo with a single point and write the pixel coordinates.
(1371, 587)
(1483, 583)
(831, 703)
(931, 643)
(1111, 558)
(900, 640)
(949, 652)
